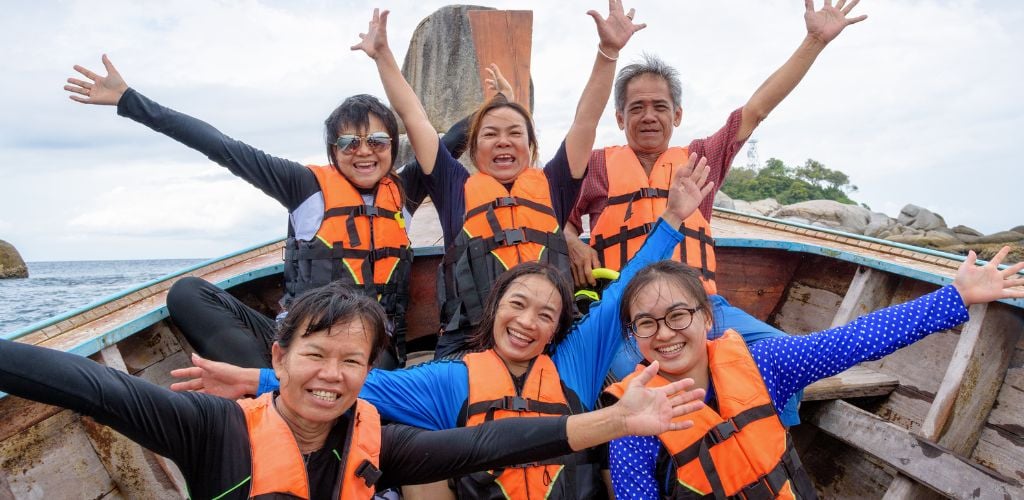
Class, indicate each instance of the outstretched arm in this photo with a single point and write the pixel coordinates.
(104, 90)
(614, 32)
(422, 135)
(415, 456)
(823, 26)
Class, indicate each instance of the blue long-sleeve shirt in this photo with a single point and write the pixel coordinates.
(788, 364)
(432, 394)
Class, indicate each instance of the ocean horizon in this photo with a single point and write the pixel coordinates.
(56, 287)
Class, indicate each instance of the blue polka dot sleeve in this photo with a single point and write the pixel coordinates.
(791, 363)
(788, 364)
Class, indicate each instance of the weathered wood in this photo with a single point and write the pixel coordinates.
(505, 38)
(806, 309)
(939, 469)
(5, 489)
(1001, 445)
(54, 459)
(838, 469)
(17, 414)
(870, 290)
(857, 382)
(148, 347)
(422, 317)
(969, 388)
(754, 281)
(137, 471)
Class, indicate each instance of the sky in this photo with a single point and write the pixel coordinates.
(916, 104)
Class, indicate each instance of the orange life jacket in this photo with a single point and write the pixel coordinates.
(742, 450)
(493, 395)
(501, 228)
(362, 245)
(277, 465)
(635, 201)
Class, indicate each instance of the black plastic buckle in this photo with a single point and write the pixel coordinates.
(369, 472)
(648, 192)
(368, 210)
(511, 237)
(759, 490)
(516, 403)
(647, 227)
(723, 431)
(506, 201)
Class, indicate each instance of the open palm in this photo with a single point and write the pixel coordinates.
(826, 24)
(375, 40)
(104, 90)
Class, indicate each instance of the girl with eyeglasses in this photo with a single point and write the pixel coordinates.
(738, 447)
(346, 219)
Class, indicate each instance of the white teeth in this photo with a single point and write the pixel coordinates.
(504, 159)
(517, 335)
(325, 395)
(672, 349)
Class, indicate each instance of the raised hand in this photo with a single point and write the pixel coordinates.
(979, 284)
(106, 90)
(498, 83)
(827, 23)
(690, 186)
(216, 378)
(375, 40)
(617, 29)
(650, 411)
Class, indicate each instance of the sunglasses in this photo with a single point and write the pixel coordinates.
(377, 142)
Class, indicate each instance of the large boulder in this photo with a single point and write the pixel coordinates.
(920, 218)
(11, 263)
(767, 207)
(723, 200)
(1001, 237)
(828, 214)
(877, 224)
(928, 239)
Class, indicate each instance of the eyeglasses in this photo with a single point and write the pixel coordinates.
(377, 142)
(677, 319)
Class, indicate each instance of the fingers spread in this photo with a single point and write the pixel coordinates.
(77, 90)
(86, 72)
(680, 426)
(855, 20)
(646, 375)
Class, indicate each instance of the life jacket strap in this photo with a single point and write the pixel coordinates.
(510, 201)
(723, 431)
(516, 403)
(368, 472)
(647, 192)
(360, 210)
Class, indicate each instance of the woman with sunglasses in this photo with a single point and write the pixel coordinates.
(738, 447)
(508, 212)
(346, 220)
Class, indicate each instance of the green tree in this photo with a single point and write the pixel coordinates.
(811, 181)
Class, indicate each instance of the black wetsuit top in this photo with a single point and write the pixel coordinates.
(207, 438)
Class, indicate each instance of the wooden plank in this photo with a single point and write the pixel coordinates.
(137, 471)
(806, 309)
(18, 414)
(755, 281)
(148, 347)
(970, 387)
(5, 489)
(54, 459)
(857, 382)
(938, 468)
(504, 37)
(870, 290)
(423, 318)
(1001, 444)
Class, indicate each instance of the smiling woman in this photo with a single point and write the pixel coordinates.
(346, 218)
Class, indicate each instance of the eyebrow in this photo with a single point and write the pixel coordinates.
(547, 306)
(677, 305)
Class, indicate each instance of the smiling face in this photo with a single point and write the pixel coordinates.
(526, 320)
(502, 148)
(322, 373)
(364, 167)
(680, 353)
(648, 115)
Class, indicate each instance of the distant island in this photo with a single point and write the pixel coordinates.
(11, 263)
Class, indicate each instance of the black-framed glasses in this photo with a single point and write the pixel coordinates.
(677, 319)
(377, 141)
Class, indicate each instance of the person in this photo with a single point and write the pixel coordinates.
(346, 220)
(622, 206)
(666, 308)
(314, 438)
(507, 212)
(529, 359)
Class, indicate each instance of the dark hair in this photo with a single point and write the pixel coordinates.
(650, 65)
(355, 112)
(323, 308)
(483, 336)
(676, 273)
(497, 102)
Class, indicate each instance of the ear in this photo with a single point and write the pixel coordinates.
(277, 354)
(620, 120)
(677, 116)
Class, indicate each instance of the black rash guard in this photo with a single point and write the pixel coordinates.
(207, 438)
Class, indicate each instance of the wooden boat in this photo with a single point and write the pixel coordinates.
(940, 418)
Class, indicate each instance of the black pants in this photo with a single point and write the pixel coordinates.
(222, 328)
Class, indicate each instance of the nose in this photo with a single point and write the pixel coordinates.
(330, 372)
(527, 319)
(503, 140)
(364, 147)
(664, 332)
(649, 114)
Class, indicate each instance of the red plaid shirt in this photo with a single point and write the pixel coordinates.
(719, 148)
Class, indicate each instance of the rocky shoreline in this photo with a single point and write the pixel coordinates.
(11, 263)
(914, 226)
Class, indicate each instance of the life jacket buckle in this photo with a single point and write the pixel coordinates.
(368, 472)
(646, 228)
(723, 431)
(515, 403)
(759, 490)
(506, 201)
(647, 192)
(511, 237)
(368, 210)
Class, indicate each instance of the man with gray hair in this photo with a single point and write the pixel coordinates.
(622, 206)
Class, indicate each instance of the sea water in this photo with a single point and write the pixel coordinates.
(53, 288)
